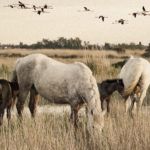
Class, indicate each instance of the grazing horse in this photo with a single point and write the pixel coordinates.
(136, 77)
(106, 89)
(59, 83)
(8, 94)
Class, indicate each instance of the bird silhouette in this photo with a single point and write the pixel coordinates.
(47, 7)
(120, 21)
(86, 9)
(134, 14)
(38, 12)
(22, 5)
(34, 7)
(144, 10)
(41, 11)
(102, 17)
(11, 6)
(144, 14)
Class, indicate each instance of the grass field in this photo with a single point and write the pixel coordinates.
(53, 131)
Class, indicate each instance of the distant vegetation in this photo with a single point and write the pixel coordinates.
(123, 46)
(147, 51)
(74, 43)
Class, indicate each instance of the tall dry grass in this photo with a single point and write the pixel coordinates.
(55, 132)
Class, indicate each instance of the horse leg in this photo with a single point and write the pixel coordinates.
(140, 100)
(8, 113)
(102, 103)
(1, 116)
(21, 100)
(14, 98)
(90, 119)
(74, 115)
(131, 107)
(127, 104)
(33, 101)
(108, 108)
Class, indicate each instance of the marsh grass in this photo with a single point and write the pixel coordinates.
(55, 132)
(4, 71)
(101, 66)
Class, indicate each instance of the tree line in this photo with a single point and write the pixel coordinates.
(73, 43)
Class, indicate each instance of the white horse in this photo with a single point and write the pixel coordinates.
(136, 77)
(59, 83)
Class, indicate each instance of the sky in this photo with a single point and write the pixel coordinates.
(68, 19)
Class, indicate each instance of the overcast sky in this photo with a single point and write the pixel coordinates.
(67, 20)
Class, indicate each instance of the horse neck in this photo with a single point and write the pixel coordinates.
(113, 87)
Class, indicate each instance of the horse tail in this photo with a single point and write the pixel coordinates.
(11, 96)
(132, 85)
(131, 73)
(14, 73)
(14, 92)
(14, 76)
(13, 103)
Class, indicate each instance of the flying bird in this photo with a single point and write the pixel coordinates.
(144, 10)
(11, 6)
(41, 11)
(134, 14)
(34, 7)
(22, 5)
(86, 9)
(120, 21)
(102, 17)
(47, 7)
(144, 14)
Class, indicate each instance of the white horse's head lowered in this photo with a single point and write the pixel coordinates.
(59, 83)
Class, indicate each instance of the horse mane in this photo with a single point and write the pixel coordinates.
(111, 80)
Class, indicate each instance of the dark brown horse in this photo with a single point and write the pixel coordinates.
(8, 93)
(106, 89)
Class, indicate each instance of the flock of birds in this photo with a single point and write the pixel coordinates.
(121, 21)
(41, 9)
(36, 9)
